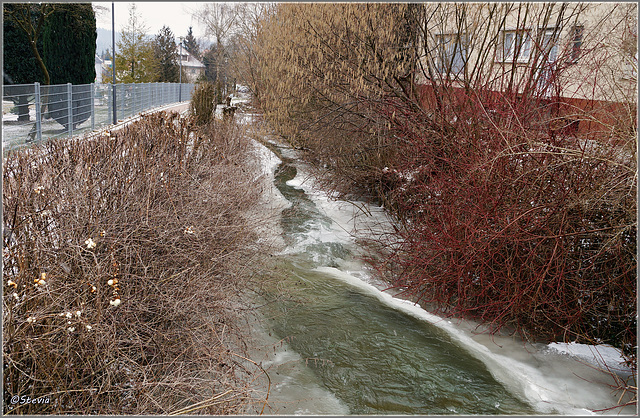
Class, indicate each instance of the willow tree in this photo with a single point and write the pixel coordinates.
(324, 67)
(245, 58)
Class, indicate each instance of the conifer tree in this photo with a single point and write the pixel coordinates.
(20, 65)
(70, 44)
(30, 20)
(166, 53)
(191, 44)
(135, 58)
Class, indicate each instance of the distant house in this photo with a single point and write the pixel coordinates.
(105, 71)
(191, 66)
(99, 64)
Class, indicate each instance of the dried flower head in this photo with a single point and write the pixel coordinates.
(12, 283)
(115, 302)
(71, 329)
(90, 243)
(31, 319)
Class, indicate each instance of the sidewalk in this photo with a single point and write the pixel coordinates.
(181, 107)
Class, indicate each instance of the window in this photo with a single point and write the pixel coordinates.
(546, 60)
(452, 52)
(629, 54)
(550, 45)
(516, 46)
(576, 43)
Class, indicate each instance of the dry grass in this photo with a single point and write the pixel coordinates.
(124, 259)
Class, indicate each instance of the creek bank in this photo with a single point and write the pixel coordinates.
(549, 380)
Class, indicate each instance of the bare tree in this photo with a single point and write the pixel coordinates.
(244, 40)
(220, 20)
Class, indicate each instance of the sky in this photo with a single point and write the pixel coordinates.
(176, 15)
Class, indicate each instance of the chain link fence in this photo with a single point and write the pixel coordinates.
(34, 112)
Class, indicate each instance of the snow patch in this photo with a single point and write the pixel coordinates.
(604, 356)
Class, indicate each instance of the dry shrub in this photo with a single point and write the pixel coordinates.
(203, 102)
(514, 180)
(150, 216)
(512, 226)
(516, 183)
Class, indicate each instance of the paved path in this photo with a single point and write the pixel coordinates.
(174, 107)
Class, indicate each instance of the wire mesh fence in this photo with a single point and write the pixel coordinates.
(34, 112)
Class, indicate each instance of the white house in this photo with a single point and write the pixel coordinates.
(191, 66)
(98, 64)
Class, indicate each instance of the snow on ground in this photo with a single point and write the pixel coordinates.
(602, 356)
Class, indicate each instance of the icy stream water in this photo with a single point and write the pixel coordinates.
(339, 345)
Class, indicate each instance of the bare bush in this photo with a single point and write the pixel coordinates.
(203, 103)
(124, 256)
(501, 135)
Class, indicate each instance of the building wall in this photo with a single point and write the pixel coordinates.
(578, 59)
(605, 67)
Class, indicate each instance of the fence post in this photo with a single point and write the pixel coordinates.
(70, 109)
(109, 103)
(114, 106)
(134, 94)
(93, 107)
(38, 113)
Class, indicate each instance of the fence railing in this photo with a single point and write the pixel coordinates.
(33, 112)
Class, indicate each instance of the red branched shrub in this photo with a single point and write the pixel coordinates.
(511, 225)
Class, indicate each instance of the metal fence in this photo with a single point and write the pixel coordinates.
(33, 112)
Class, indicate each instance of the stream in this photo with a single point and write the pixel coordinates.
(337, 344)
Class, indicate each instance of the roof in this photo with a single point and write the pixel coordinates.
(191, 61)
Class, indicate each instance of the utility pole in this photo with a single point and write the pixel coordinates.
(180, 59)
(113, 60)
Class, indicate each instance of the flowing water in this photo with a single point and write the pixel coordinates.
(336, 344)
